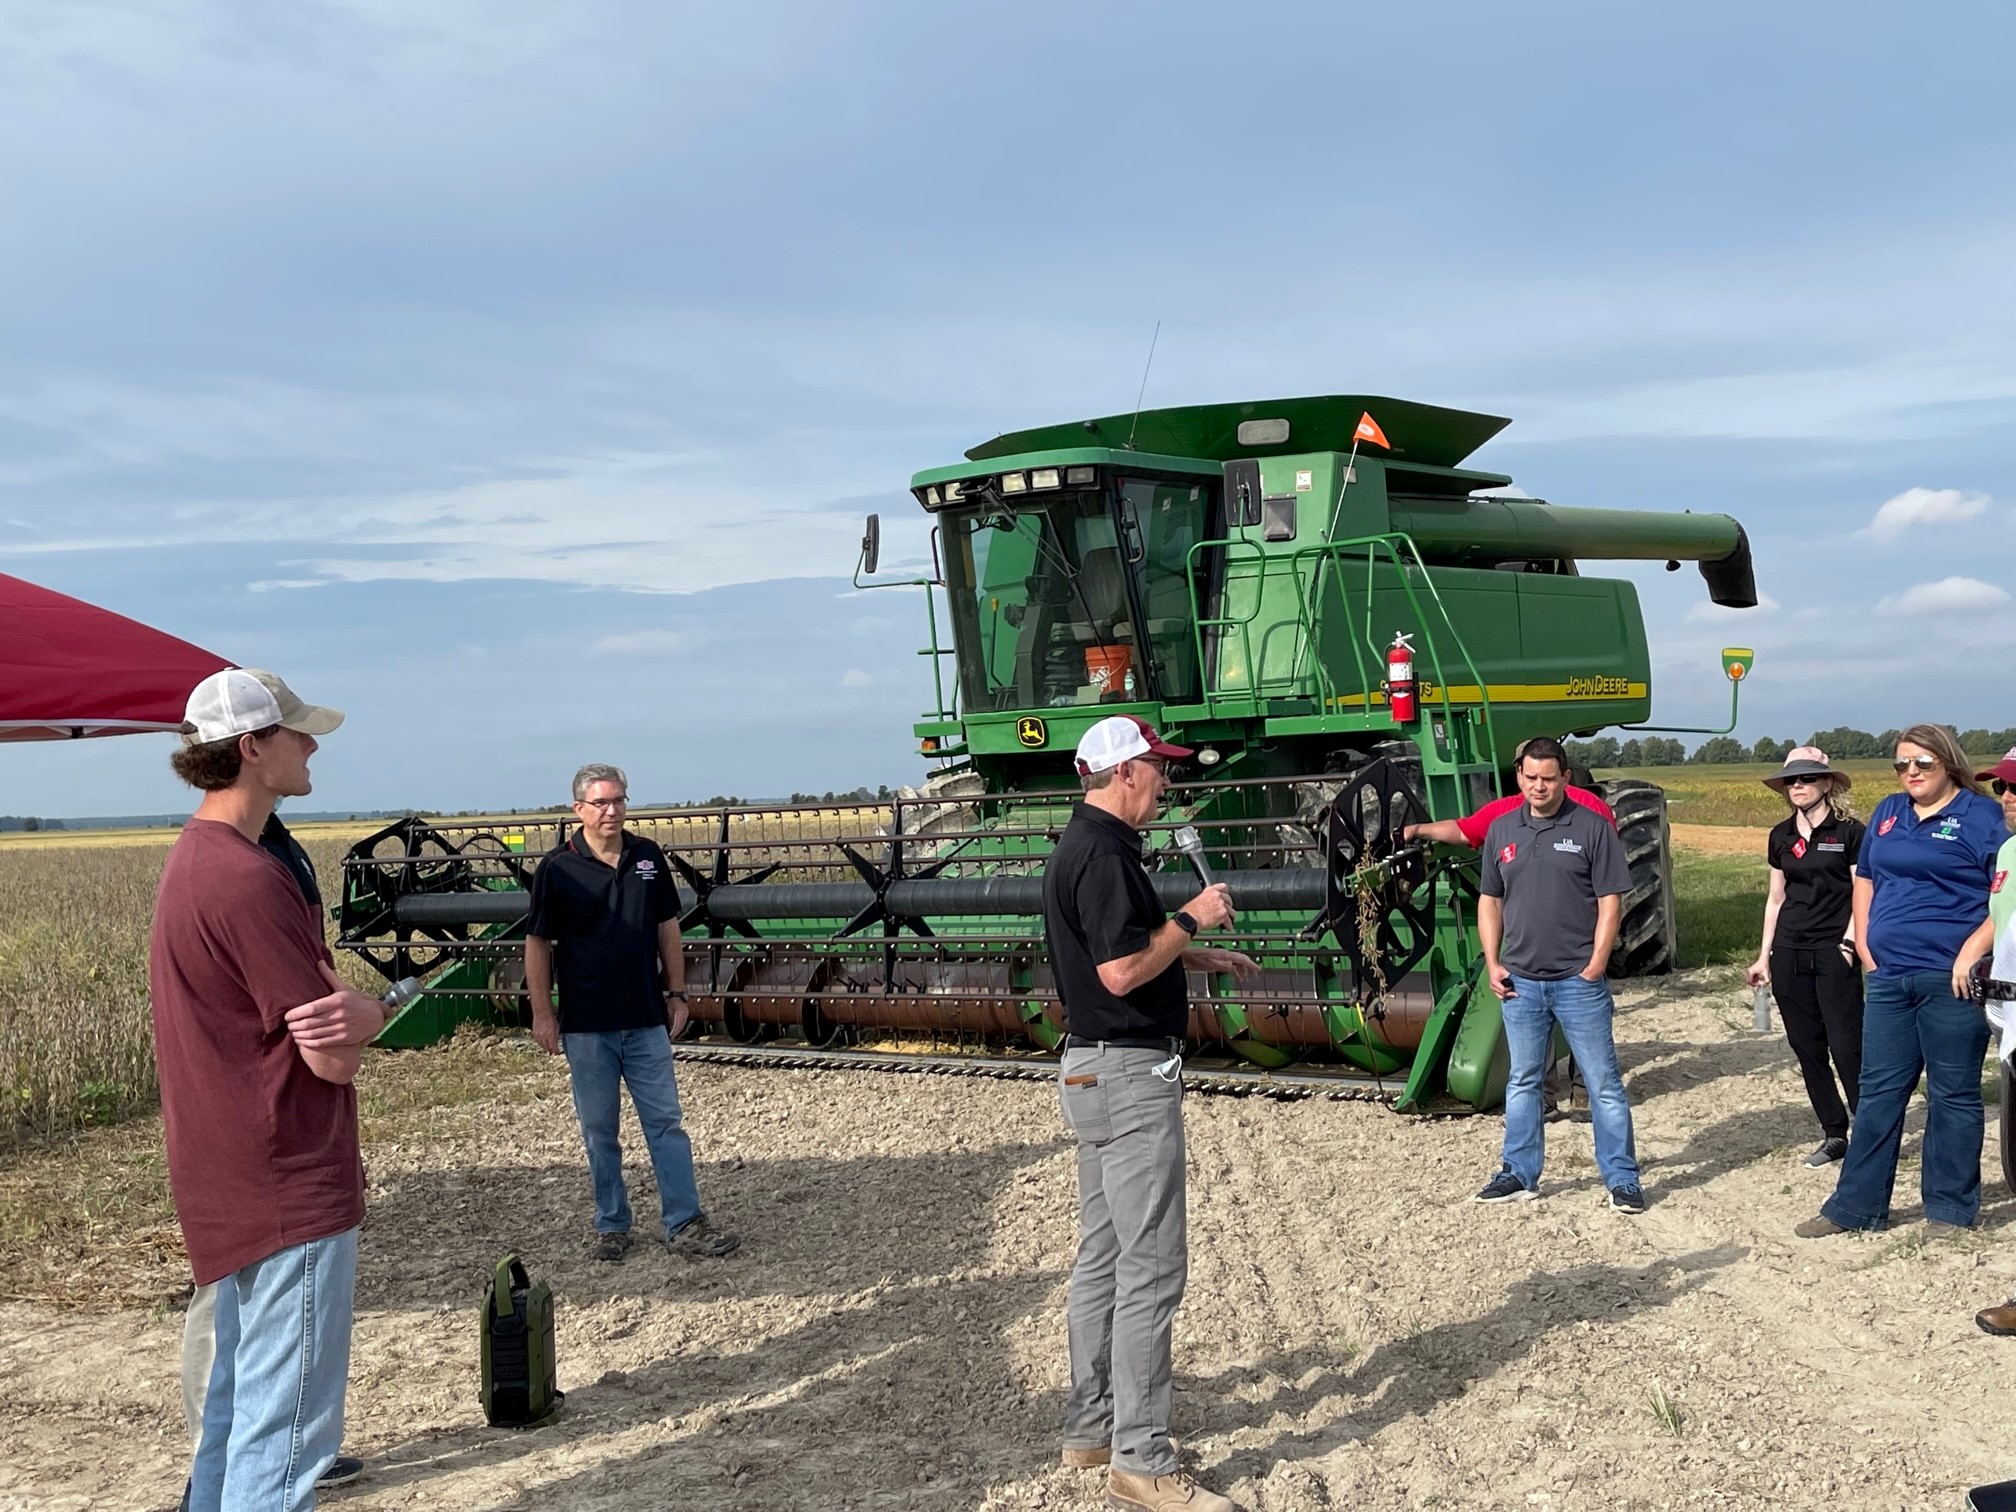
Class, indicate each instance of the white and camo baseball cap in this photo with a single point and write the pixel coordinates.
(241, 700)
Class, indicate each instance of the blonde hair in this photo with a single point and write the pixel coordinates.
(1839, 804)
(1941, 742)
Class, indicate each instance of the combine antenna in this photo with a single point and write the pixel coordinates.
(1145, 367)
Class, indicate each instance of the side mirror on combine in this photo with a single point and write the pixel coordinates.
(871, 544)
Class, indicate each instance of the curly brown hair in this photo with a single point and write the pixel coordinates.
(214, 765)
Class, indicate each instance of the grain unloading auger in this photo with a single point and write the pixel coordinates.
(1254, 583)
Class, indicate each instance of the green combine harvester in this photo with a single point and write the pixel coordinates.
(1354, 633)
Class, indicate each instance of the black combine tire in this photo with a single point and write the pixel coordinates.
(1647, 942)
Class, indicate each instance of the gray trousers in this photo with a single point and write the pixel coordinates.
(1133, 1254)
(199, 1356)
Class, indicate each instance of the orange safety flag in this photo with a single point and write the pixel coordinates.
(1368, 430)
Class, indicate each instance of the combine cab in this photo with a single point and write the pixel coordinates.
(1238, 575)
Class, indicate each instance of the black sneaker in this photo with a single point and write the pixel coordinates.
(612, 1246)
(342, 1470)
(700, 1240)
(1505, 1187)
(1830, 1150)
(1627, 1199)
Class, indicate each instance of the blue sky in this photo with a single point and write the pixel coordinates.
(516, 377)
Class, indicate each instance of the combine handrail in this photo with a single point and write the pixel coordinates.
(1399, 548)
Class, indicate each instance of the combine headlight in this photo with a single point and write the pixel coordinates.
(1077, 475)
(1208, 757)
(953, 491)
(1014, 483)
(1043, 477)
(931, 499)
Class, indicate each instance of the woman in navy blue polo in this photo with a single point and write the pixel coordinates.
(1921, 922)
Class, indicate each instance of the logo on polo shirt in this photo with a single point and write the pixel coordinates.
(1799, 848)
(1505, 856)
(1949, 829)
(1887, 825)
(1996, 886)
(1573, 847)
(647, 868)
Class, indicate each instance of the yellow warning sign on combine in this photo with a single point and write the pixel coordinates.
(1031, 731)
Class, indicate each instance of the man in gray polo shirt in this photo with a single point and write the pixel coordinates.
(1551, 895)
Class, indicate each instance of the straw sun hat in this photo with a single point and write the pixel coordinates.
(1806, 761)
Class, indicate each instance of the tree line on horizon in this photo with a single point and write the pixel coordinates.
(1842, 743)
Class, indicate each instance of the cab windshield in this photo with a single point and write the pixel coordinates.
(1077, 597)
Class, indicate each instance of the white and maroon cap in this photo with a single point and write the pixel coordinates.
(241, 700)
(1123, 737)
(2005, 768)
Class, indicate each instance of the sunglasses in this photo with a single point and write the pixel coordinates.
(1923, 763)
(2000, 788)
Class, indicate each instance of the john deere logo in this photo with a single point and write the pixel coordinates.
(1030, 731)
(1736, 662)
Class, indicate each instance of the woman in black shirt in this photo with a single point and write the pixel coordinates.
(1808, 952)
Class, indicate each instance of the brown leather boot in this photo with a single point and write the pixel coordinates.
(1174, 1492)
(1096, 1457)
(1998, 1320)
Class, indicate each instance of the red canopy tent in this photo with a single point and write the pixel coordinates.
(69, 669)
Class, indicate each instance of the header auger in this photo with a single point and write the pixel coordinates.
(1245, 580)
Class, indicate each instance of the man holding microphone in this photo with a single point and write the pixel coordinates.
(1550, 898)
(1119, 962)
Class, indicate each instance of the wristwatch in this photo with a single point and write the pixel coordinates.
(1185, 923)
(676, 992)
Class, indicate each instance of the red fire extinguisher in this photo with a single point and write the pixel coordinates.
(1400, 680)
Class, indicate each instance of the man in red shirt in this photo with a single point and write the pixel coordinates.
(256, 1053)
(1471, 829)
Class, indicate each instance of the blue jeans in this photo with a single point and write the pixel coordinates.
(1583, 1010)
(1913, 1023)
(273, 1414)
(640, 1059)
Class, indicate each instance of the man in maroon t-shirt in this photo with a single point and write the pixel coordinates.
(256, 1053)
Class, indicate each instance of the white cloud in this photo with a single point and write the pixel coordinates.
(644, 643)
(1705, 613)
(1923, 506)
(1947, 596)
(856, 678)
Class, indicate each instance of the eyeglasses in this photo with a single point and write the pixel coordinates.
(1792, 782)
(606, 805)
(2000, 788)
(1924, 764)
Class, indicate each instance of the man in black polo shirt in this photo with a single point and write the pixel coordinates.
(1551, 896)
(1119, 960)
(606, 906)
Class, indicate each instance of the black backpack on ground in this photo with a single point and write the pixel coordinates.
(518, 1367)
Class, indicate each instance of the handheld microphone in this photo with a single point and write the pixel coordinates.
(401, 992)
(1187, 841)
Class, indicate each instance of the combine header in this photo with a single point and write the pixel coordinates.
(1352, 639)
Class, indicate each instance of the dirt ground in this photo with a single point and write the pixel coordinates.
(1357, 1331)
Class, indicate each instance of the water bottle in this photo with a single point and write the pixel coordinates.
(1760, 1009)
(401, 992)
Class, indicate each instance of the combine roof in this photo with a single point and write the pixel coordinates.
(1424, 434)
